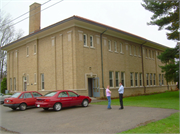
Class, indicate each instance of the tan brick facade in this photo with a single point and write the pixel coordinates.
(58, 52)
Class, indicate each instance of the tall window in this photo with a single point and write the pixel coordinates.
(130, 50)
(42, 81)
(27, 78)
(131, 78)
(160, 79)
(115, 46)
(34, 49)
(136, 79)
(109, 45)
(27, 51)
(85, 40)
(10, 84)
(120, 47)
(122, 78)
(111, 79)
(149, 53)
(35, 81)
(139, 51)
(151, 79)
(140, 79)
(117, 79)
(147, 79)
(14, 84)
(91, 41)
(146, 53)
(154, 79)
(135, 50)
(153, 54)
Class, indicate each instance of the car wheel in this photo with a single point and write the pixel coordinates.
(13, 108)
(85, 103)
(22, 106)
(57, 107)
(45, 108)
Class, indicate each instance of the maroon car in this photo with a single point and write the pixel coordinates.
(22, 100)
(60, 99)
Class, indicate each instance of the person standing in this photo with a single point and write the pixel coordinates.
(121, 91)
(108, 95)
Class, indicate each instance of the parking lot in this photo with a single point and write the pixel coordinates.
(92, 119)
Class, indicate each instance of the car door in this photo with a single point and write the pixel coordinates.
(64, 99)
(75, 100)
(28, 99)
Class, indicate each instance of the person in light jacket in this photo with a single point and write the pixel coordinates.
(108, 95)
(121, 91)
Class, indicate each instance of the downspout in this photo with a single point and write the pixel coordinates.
(142, 58)
(102, 62)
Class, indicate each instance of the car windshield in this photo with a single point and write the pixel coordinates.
(50, 94)
(15, 95)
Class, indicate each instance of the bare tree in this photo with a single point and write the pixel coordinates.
(7, 35)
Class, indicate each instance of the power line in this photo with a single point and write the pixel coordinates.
(36, 13)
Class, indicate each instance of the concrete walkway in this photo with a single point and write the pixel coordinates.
(93, 119)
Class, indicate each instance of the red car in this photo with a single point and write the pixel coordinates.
(22, 100)
(61, 99)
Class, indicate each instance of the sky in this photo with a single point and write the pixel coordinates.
(127, 15)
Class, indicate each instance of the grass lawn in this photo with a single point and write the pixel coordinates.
(169, 99)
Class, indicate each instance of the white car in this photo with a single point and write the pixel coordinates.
(2, 97)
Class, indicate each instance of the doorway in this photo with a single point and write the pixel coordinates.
(90, 87)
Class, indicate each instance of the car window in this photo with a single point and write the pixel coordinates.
(63, 94)
(50, 94)
(71, 94)
(15, 95)
(21, 96)
(35, 94)
(27, 95)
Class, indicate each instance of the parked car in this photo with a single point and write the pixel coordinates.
(2, 97)
(22, 100)
(60, 99)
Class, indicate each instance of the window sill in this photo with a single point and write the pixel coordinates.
(116, 52)
(35, 83)
(27, 56)
(34, 54)
(121, 53)
(131, 55)
(110, 51)
(86, 46)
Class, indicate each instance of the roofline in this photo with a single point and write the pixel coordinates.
(87, 21)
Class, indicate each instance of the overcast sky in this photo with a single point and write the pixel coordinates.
(127, 15)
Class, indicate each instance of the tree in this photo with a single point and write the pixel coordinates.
(7, 35)
(166, 14)
(4, 85)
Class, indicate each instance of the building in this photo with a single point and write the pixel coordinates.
(84, 56)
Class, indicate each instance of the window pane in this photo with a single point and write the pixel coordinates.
(27, 95)
(63, 94)
(71, 94)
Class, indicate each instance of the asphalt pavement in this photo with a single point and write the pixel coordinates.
(92, 119)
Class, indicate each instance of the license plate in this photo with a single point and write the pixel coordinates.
(38, 105)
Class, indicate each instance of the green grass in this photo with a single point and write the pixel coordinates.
(169, 100)
(167, 125)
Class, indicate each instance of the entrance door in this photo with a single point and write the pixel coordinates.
(96, 89)
(90, 87)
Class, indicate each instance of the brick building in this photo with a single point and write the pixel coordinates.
(84, 56)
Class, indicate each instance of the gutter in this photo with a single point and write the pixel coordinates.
(102, 62)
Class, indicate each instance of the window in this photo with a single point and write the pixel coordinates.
(35, 94)
(151, 79)
(27, 95)
(122, 78)
(160, 80)
(131, 78)
(85, 40)
(120, 47)
(27, 77)
(35, 78)
(50, 94)
(91, 41)
(111, 79)
(140, 79)
(21, 96)
(130, 50)
(109, 45)
(42, 81)
(115, 46)
(134, 50)
(153, 54)
(63, 94)
(154, 79)
(146, 53)
(27, 51)
(149, 53)
(14, 84)
(34, 49)
(117, 79)
(136, 79)
(139, 51)
(71, 94)
(10, 84)
(147, 79)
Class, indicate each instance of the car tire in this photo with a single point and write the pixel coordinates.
(46, 109)
(85, 103)
(57, 106)
(13, 108)
(23, 106)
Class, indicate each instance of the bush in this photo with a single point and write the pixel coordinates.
(4, 85)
